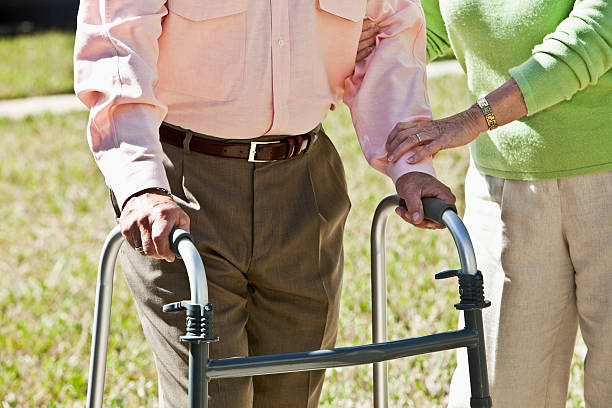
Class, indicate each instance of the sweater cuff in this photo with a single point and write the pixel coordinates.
(539, 79)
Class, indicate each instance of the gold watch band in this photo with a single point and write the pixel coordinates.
(488, 113)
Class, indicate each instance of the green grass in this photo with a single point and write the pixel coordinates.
(55, 215)
(36, 64)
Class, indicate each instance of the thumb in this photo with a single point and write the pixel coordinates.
(414, 207)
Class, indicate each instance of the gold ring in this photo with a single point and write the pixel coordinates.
(420, 142)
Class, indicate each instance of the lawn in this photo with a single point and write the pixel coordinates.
(56, 214)
(36, 64)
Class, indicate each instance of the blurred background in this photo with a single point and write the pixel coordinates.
(26, 16)
(55, 214)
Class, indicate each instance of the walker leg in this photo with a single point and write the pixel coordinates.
(379, 329)
(477, 362)
(198, 384)
(379, 294)
(102, 312)
(199, 335)
(99, 344)
(471, 292)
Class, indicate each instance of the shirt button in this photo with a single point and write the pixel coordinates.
(281, 42)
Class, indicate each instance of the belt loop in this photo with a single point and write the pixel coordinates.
(293, 148)
(187, 141)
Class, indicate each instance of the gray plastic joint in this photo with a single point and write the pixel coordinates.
(199, 321)
(471, 289)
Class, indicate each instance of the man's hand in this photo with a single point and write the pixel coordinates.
(146, 222)
(367, 41)
(414, 186)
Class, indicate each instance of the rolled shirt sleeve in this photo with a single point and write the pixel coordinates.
(115, 71)
(569, 59)
(390, 86)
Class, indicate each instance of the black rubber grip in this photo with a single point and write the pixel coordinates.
(434, 208)
(175, 239)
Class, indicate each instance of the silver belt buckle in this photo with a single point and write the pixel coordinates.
(253, 151)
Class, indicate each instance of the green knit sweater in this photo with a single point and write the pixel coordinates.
(560, 54)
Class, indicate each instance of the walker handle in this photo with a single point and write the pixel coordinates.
(182, 244)
(176, 235)
(433, 208)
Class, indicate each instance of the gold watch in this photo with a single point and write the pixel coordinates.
(488, 113)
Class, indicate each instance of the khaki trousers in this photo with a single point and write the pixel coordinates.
(270, 235)
(545, 250)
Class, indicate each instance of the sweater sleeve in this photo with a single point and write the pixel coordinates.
(568, 60)
(438, 43)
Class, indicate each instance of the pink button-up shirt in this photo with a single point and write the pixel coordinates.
(241, 69)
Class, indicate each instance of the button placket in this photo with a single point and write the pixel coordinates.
(280, 64)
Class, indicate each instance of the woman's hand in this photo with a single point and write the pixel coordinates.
(428, 138)
(367, 41)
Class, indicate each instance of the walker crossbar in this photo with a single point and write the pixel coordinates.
(202, 370)
(339, 357)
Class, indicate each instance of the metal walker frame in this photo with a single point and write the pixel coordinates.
(199, 320)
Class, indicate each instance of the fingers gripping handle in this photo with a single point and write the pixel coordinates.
(434, 208)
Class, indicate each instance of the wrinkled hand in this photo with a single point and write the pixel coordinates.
(146, 222)
(434, 135)
(414, 186)
(367, 41)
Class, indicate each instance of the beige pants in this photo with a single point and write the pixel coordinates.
(270, 235)
(545, 250)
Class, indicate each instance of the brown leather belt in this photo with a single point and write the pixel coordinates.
(265, 151)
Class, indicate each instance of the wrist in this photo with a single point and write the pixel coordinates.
(477, 119)
(152, 190)
(402, 167)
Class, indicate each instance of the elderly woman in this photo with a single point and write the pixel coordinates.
(539, 186)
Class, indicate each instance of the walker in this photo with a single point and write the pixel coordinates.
(200, 316)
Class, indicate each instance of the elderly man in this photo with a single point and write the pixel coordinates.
(206, 116)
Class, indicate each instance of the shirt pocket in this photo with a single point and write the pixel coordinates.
(198, 10)
(353, 10)
(202, 48)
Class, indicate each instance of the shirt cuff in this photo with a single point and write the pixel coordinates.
(136, 177)
(401, 167)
